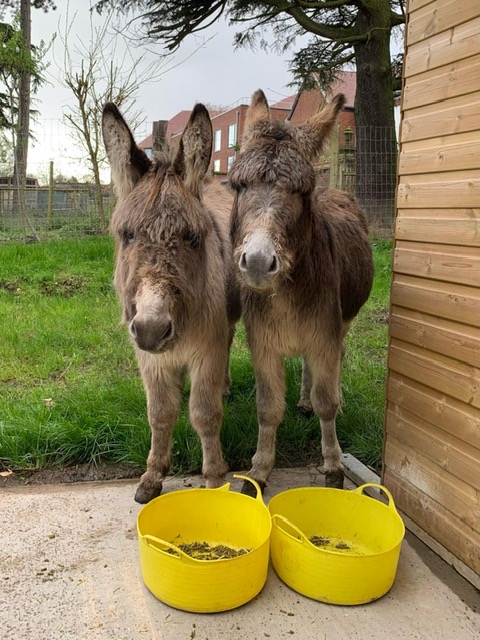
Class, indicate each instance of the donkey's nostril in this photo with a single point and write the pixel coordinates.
(273, 268)
(168, 332)
(133, 329)
(243, 261)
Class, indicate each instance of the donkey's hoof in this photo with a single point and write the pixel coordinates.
(334, 479)
(145, 494)
(249, 489)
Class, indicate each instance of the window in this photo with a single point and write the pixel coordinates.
(216, 166)
(230, 160)
(218, 140)
(232, 135)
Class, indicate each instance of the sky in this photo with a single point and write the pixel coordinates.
(206, 69)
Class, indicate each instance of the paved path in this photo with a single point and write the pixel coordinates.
(69, 570)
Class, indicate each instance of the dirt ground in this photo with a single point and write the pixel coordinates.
(66, 475)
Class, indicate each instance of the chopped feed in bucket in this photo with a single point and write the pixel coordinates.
(336, 543)
(205, 551)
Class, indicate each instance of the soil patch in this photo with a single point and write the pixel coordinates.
(60, 475)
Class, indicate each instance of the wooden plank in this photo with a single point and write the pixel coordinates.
(439, 248)
(456, 115)
(445, 412)
(444, 153)
(451, 339)
(445, 300)
(471, 213)
(435, 519)
(443, 374)
(451, 80)
(462, 500)
(446, 555)
(442, 190)
(414, 5)
(442, 449)
(444, 14)
(455, 231)
(461, 41)
(435, 264)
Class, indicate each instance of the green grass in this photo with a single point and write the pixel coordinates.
(70, 391)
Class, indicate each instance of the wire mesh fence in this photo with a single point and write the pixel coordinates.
(366, 166)
(59, 207)
(53, 212)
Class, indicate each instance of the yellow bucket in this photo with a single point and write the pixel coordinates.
(218, 517)
(340, 547)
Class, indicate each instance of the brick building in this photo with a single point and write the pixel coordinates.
(228, 125)
(309, 102)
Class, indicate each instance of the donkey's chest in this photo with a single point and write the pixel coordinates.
(284, 328)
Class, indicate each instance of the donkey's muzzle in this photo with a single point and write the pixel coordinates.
(259, 263)
(153, 335)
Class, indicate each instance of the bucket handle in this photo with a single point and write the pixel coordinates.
(380, 487)
(289, 528)
(155, 543)
(259, 496)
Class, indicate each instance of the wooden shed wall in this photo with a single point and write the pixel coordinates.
(432, 424)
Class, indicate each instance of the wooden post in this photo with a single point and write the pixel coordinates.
(334, 158)
(159, 135)
(50, 197)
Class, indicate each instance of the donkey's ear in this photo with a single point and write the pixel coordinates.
(258, 111)
(128, 162)
(195, 150)
(314, 132)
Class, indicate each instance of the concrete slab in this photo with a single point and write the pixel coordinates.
(69, 570)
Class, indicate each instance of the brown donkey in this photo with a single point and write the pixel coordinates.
(305, 266)
(175, 281)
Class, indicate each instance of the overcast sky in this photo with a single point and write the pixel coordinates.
(215, 74)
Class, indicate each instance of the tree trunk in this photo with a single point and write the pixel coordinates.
(376, 146)
(23, 128)
(99, 200)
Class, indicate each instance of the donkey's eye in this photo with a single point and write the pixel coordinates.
(191, 238)
(128, 237)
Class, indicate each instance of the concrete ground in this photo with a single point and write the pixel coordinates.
(69, 570)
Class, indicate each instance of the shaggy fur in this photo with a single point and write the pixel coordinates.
(174, 279)
(304, 262)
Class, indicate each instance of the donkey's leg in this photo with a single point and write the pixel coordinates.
(325, 398)
(163, 387)
(228, 380)
(207, 380)
(270, 389)
(305, 404)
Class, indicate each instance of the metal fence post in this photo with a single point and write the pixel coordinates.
(50, 197)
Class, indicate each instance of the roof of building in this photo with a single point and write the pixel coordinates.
(178, 123)
(285, 103)
(147, 143)
(345, 83)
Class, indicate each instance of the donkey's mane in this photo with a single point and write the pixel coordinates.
(160, 206)
(273, 156)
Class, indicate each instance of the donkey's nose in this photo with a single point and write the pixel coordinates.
(259, 264)
(152, 334)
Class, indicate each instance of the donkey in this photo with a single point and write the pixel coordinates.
(304, 263)
(175, 280)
